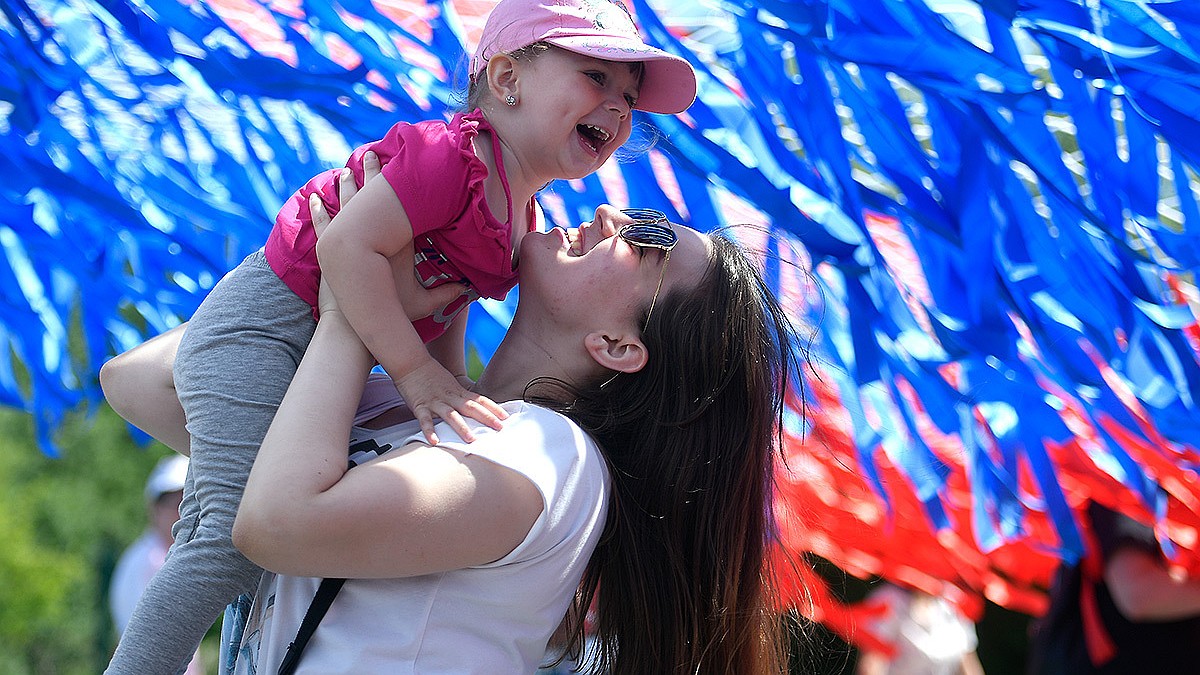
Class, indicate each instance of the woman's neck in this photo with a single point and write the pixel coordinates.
(521, 358)
(516, 362)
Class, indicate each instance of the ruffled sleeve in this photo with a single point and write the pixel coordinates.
(434, 170)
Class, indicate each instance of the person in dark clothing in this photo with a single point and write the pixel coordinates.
(1119, 610)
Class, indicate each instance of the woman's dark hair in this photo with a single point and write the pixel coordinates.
(681, 577)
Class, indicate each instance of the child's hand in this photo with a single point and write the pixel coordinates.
(431, 391)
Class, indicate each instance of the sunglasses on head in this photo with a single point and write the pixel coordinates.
(650, 229)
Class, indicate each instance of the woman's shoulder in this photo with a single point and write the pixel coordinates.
(529, 426)
(547, 418)
(535, 440)
(536, 412)
(564, 464)
(542, 425)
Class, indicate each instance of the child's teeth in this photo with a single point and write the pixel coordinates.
(600, 133)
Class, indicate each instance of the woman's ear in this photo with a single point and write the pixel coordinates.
(623, 353)
(502, 77)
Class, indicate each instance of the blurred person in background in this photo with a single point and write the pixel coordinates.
(930, 636)
(139, 562)
(1120, 609)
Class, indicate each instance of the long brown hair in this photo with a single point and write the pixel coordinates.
(681, 577)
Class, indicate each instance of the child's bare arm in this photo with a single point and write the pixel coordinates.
(449, 349)
(140, 386)
(365, 254)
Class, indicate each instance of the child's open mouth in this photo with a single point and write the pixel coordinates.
(594, 136)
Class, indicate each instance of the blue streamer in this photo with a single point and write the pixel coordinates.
(147, 149)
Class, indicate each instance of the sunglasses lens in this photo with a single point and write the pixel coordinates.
(646, 215)
(647, 234)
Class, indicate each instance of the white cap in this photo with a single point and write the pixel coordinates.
(168, 476)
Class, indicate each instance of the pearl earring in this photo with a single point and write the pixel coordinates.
(510, 100)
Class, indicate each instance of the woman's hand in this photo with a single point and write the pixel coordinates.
(419, 301)
(140, 386)
(347, 188)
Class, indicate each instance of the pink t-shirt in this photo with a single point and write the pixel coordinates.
(435, 172)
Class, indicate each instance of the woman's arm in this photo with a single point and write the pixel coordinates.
(416, 510)
(140, 386)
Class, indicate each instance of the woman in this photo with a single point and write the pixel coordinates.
(644, 382)
(670, 360)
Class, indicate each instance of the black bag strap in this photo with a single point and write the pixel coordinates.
(326, 592)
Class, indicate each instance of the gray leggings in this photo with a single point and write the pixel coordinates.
(237, 357)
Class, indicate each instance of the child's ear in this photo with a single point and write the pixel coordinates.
(502, 76)
(621, 352)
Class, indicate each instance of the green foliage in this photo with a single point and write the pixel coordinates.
(64, 522)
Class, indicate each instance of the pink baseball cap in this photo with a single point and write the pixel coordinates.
(599, 28)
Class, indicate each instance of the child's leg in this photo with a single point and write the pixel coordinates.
(140, 387)
(233, 367)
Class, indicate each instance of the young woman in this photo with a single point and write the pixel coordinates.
(553, 89)
(643, 377)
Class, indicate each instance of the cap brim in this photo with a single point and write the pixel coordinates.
(668, 83)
